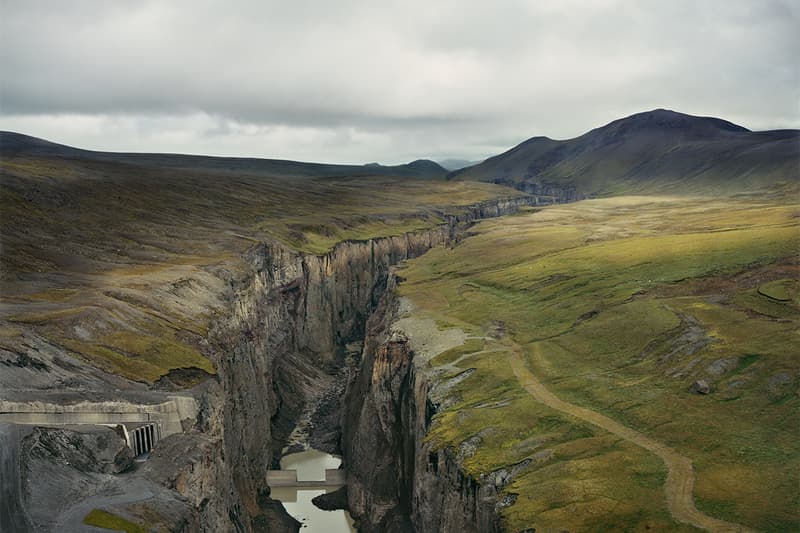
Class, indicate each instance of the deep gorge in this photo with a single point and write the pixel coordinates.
(173, 327)
(293, 315)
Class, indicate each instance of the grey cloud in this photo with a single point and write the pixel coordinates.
(384, 79)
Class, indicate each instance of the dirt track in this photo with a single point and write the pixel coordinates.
(680, 476)
(427, 341)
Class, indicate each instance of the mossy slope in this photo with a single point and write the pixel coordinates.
(620, 305)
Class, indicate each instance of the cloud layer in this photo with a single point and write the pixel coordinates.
(356, 81)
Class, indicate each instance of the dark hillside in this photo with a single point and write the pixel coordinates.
(23, 145)
(655, 151)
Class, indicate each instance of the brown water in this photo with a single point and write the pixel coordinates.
(310, 466)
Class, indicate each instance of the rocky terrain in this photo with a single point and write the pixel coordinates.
(289, 322)
(396, 480)
(299, 313)
(246, 328)
(246, 305)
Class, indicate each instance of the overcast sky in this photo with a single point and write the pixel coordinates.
(360, 81)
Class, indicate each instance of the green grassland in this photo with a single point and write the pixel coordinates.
(106, 520)
(619, 306)
(119, 264)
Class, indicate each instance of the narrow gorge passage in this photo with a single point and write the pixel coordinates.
(680, 476)
(316, 310)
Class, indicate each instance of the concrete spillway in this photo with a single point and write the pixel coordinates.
(167, 415)
(142, 425)
(143, 438)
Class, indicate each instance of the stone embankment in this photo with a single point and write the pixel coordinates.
(168, 415)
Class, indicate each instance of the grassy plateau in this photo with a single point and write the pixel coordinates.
(617, 307)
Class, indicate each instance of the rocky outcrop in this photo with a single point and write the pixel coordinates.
(700, 387)
(101, 451)
(292, 315)
(285, 324)
(66, 474)
(396, 482)
(545, 193)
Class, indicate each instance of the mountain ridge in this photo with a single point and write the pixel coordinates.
(13, 143)
(658, 150)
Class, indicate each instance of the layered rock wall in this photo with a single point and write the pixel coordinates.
(292, 314)
(396, 482)
(545, 193)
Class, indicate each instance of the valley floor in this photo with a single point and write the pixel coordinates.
(580, 336)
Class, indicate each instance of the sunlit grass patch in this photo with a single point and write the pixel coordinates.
(139, 356)
(782, 290)
(594, 484)
(451, 355)
(106, 520)
(37, 317)
(58, 295)
(628, 301)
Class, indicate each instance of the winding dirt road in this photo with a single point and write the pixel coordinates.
(680, 476)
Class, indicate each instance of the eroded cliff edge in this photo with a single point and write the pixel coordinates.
(293, 315)
(396, 481)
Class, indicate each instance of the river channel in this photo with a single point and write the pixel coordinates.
(310, 466)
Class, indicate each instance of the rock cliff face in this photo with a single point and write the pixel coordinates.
(293, 314)
(545, 193)
(395, 481)
(66, 474)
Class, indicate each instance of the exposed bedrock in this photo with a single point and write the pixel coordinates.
(395, 481)
(289, 322)
(66, 474)
(545, 193)
(293, 315)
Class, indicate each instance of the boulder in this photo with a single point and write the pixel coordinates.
(332, 501)
(722, 366)
(94, 449)
(700, 387)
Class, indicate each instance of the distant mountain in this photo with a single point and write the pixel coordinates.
(655, 151)
(651, 152)
(17, 144)
(456, 164)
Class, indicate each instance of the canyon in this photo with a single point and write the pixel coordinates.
(307, 310)
(173, 327)
(289, 318)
